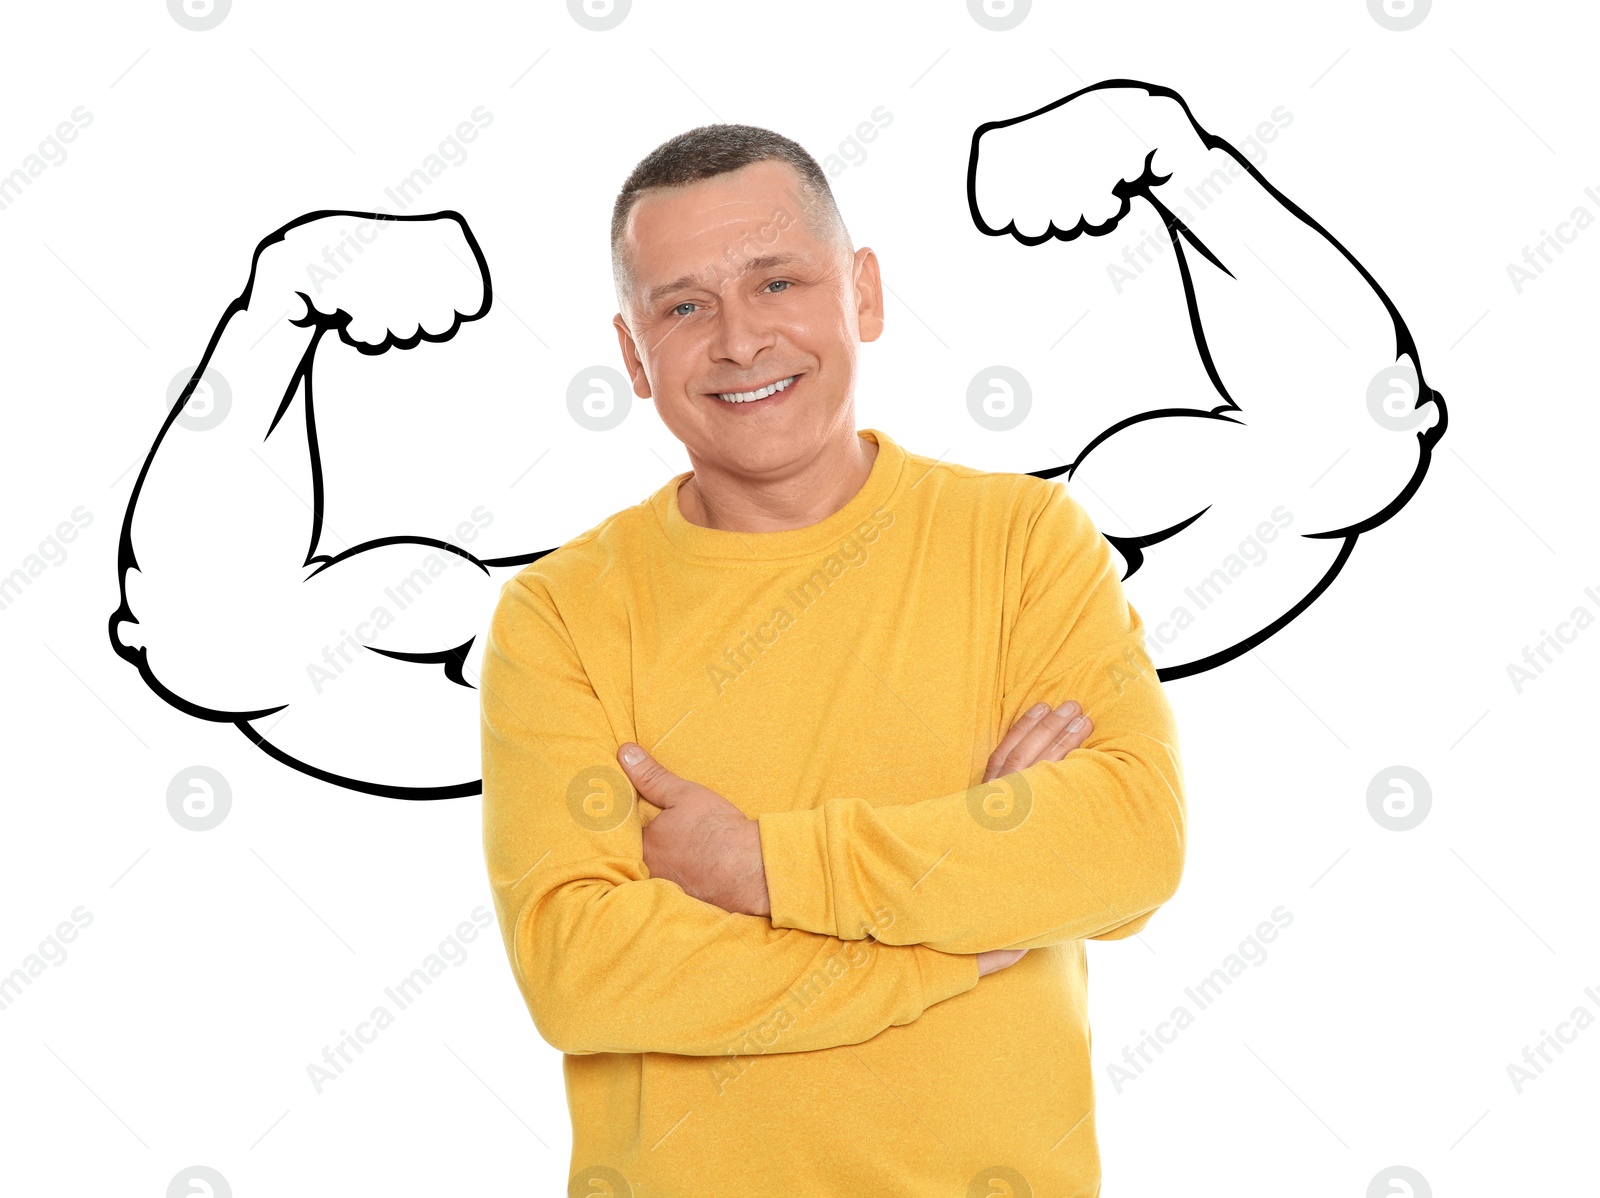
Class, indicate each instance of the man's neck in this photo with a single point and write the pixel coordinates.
(729, 503)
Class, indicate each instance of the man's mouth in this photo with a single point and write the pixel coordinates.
(778, 387)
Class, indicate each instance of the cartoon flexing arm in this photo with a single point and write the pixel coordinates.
(349, 667)
(1317, 421)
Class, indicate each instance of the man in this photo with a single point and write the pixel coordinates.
(837, 947)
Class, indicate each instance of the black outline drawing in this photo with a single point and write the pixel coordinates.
(453, 659)
(1132, 548)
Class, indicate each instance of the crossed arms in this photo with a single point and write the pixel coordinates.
(1084, 847)
(611, 959)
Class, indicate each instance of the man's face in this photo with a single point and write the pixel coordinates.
(733, 291)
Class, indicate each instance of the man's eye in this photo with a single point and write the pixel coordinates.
(779, 282)
(685, 304)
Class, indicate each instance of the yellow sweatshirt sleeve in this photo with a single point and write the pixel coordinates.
(609, 959)
(1085, 847)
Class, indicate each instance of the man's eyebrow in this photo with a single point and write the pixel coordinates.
(765, 262)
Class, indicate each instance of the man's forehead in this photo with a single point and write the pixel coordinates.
(703, 234)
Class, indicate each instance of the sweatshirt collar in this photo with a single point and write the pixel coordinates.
(718, 544)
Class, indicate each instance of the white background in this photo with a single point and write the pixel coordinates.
(217, 966)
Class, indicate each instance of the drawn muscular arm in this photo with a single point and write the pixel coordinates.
(230, 604)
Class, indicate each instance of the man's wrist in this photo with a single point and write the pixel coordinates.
(758, 901)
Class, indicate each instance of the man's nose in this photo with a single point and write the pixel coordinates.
(742, 330)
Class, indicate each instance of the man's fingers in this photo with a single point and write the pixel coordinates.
(1055, 736)
(997, 959)
(1029, 721)
(1048, 737)
(650, 778)
(1067, 741)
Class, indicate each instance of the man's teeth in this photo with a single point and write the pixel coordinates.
(747, 396)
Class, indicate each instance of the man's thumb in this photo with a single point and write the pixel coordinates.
(647, 774)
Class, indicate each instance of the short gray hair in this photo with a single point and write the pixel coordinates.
(712, 150)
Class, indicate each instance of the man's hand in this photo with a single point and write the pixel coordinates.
(1040, 735)
(700, 840)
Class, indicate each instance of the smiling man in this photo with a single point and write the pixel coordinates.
(827, 935)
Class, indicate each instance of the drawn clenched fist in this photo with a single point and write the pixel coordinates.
(382, 281)
(1071, 167)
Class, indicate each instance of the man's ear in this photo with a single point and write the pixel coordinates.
(869, 295)
(630, 358)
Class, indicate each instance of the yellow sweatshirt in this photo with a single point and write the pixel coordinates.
(844, 684)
